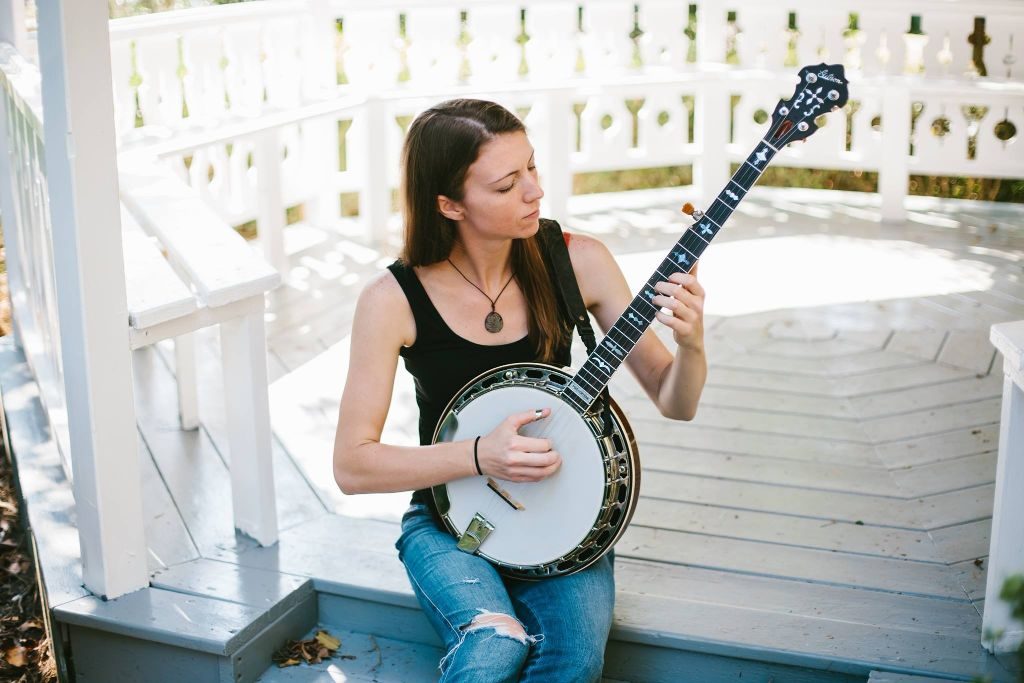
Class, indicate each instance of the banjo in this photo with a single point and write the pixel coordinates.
(568, 521)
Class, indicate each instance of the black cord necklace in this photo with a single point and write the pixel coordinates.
(493, 322)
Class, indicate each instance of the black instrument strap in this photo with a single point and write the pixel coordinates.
(557, 255)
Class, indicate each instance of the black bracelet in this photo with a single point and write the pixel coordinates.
(476, 456)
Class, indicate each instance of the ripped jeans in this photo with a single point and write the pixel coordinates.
(501, 629)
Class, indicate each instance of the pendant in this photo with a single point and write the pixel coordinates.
(493, 322)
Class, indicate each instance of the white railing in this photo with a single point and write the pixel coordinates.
(1002, 631)
(58, 195)
(29, 236)
(622, 78)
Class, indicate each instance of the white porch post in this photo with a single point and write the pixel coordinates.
(375, 195)
(320, 71)
(1006, 545)
(270, 212)
(894, 170)
(558, 174)
(711, 169)
(12, 24)
(81, 169)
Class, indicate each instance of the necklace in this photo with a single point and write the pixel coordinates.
(493, 322)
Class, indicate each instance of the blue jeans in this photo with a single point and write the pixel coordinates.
(564, 620)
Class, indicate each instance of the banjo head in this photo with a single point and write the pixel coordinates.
(537, 526)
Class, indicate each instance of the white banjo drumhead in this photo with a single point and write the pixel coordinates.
(558, 512)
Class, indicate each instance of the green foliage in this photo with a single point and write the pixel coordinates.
(1012, 593)
(989, 189)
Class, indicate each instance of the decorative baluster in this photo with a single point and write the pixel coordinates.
(282, 65)
(203, 57)
(822, 29)
(493, 52)
(663, 124)
(883, 45)
(243, 74)
(606, 45)
(551, 50)
(160, 93)
(946, 53)
(433, 55)
(124, 89)
(915, 41)
(371, 45)
(663, 23)
(853, 44)
(606, 131)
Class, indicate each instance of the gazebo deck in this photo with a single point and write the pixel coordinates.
(825, 515)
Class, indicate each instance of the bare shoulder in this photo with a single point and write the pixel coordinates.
(599, 276)
(383, 309)
(587, 252)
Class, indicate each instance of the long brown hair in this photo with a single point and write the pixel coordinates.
(442, 143)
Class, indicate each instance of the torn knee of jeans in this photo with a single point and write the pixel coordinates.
(503, 625)
(469, 580)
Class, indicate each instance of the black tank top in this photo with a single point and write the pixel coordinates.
(441, 362)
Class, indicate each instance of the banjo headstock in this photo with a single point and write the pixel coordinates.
(822, 89)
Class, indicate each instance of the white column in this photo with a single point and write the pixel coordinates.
(711, 23)
(375, 196)
(244, 357)
(12, 25)
(1006, 545)
(270, 214)
(894, 170)
(711, 168)
(323, 208)
(558, 171)
(185, 374)
(81, 169)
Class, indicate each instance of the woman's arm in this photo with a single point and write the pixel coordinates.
(384, 323)
(673, 381)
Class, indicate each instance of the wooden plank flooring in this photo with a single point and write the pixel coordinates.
(839, 471)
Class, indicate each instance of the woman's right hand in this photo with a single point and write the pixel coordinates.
(507, 454)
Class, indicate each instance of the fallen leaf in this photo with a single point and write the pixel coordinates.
(30, 624)
(288, 662)
(327, 640)
(15, 656)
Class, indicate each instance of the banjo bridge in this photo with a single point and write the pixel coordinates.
(504, 495)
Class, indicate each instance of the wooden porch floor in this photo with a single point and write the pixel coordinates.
(831, 501)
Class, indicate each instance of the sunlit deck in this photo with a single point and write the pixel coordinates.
(826, 515)
(828, 509)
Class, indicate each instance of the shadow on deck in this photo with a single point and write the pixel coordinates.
(826, 514)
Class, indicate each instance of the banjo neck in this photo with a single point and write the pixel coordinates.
(597, 371)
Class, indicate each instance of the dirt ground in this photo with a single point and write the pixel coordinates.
(25, 654)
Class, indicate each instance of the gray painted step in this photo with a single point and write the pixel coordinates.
(886, 677)
(362, 657)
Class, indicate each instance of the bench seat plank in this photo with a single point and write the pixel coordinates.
(221, 265)
(155, 292)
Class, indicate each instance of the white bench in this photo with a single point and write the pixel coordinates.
(210, 276)
(1006, 550)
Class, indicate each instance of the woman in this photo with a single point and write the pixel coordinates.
(469, 293)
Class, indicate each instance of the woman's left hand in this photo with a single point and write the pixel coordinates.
(683, 297)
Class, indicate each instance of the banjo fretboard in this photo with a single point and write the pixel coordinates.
(599, 367)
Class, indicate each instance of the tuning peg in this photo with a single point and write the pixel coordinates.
(693, 212)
